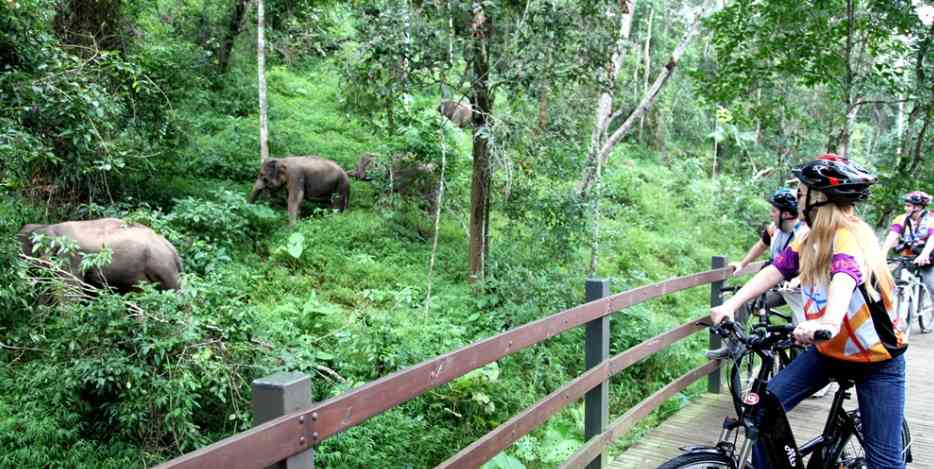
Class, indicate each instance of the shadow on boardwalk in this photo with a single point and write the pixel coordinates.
(699, 422)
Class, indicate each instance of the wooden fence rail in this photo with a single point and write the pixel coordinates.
(296, 432)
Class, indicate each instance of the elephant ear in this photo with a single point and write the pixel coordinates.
(271, 169)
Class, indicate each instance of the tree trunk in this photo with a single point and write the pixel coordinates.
(482, 101)
(261, 70)
(602, 121)
(647, 64)
(851, 107)
(230, 36)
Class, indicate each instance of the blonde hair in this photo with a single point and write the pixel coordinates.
(816, 250)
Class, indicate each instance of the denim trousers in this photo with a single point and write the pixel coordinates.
(880, 391)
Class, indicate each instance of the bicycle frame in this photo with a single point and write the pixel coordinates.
(764, 419)
(907, 288)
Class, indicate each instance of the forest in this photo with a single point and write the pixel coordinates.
(477, 161)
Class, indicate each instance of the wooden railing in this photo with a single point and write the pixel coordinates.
(297, 432)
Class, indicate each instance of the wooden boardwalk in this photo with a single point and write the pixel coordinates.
(699, 422)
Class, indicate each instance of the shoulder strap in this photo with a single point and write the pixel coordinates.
(911, 231)
(882, 322)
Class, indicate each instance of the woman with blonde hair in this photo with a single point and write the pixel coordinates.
(847, 290)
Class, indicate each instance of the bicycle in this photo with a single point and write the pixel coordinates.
(743, 373)
(838, 446)
(911, 295)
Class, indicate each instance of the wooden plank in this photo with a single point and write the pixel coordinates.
(284, 437)
(620, 426)
(508, 433)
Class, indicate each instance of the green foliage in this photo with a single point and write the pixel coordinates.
(156, 369)
(113, 381)
(75, 125)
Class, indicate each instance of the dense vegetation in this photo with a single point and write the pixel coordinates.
(147, 111)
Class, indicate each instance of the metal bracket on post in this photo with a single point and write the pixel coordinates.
(597, 349)
(280, 394)
(716, 299)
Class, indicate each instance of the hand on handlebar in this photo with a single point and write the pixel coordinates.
(737, 266)
(719, 313)
(922, 260)
(805, 332)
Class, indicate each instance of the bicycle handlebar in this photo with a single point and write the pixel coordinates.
(763, 338)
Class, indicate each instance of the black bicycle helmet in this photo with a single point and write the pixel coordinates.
(785, 200)
(918, 198)
(838, 178)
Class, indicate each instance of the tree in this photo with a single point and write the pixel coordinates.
(490, 47)
(599, 155)
(840, 46)
(261, 71)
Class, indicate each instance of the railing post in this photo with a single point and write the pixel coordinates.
(280, 394)
(597, 349)
(716, 299)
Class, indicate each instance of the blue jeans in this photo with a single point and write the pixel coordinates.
(880, 390)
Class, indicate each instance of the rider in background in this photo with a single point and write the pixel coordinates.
(847, 290)
(910, 234)
(785, 227)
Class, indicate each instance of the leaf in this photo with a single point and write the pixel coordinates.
(504, 461)
(296, 245)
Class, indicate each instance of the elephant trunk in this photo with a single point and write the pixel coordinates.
(257, 188)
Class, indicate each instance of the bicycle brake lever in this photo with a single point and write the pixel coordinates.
(718, 354)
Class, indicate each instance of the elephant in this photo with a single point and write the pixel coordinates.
(139, 253)
(458, 112)
(306, 177)
(402, 175)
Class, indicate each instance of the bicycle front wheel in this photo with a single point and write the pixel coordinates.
(700, 461)
(925, 310)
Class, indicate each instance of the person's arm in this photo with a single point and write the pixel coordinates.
(839, 295)
(759, 283)
(890, 240)
(754, 252)
(925, 257)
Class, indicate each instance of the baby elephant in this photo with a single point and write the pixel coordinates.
(460, 113)
(306, 177)
(139, 254)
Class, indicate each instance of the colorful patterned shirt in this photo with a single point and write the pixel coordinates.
(778, 240)
(912, 233)
(861, 337)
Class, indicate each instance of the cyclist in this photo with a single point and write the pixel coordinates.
(847, 288)
(785, 227)
(910, 234)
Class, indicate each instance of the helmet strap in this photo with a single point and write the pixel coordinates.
(808, 206)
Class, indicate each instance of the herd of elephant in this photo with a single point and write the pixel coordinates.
(139, 254)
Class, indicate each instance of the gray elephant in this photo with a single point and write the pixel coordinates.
(306, 177)
(403, 174)
(458, 112)
(139, 254)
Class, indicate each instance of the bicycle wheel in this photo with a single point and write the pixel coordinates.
(925, 310)
(700, 461)
(742, 374)
(904, 307)
(853, 454)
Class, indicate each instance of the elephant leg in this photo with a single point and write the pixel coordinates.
(295, 203)
(342, 198)
(165, 275)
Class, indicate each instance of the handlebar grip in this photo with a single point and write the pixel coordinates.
(822, 334)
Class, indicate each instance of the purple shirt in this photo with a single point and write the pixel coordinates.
(788, 264)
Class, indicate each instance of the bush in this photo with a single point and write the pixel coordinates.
(163, 371)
